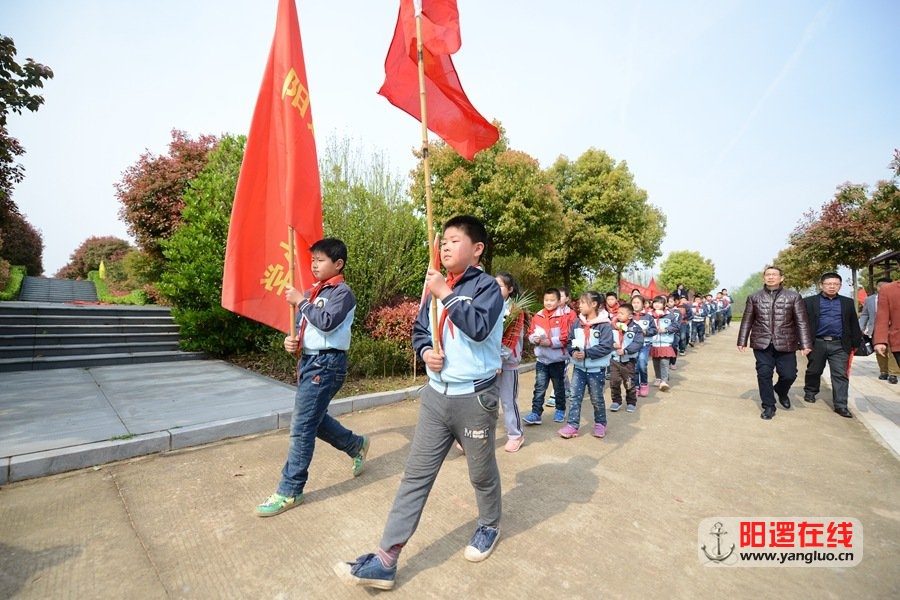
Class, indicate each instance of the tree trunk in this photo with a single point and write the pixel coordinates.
(854, 295)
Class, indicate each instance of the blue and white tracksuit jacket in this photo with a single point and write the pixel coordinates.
(328, 319)
(648, 326)
(667, 325)
(471, 337)
(630, 338)
(595, 338)
(699, 313)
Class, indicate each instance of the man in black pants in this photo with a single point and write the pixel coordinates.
(833, 322)
(775, 323)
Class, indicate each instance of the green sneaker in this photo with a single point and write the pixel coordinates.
(359, 461)
(277, 504)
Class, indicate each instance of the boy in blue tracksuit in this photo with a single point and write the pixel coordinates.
(698, 327)
(324, 316)
(628, 339)
(459, 403)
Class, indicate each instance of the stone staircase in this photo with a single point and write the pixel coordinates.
(44, 289)
(52, 335)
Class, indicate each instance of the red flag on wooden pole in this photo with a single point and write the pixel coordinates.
(450, 114)
(278, 188)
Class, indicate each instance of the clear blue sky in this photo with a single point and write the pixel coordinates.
(735, 115)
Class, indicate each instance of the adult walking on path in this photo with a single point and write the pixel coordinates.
(776, 324)
(887, 329)
(833, 322)
(888, 370)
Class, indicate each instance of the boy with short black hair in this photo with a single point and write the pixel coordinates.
(549, 333)
(459, 403)
(324, 316)
(628, 339)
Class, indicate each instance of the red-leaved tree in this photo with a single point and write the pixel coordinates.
(88, 255)
(22, 244)
(151, 190)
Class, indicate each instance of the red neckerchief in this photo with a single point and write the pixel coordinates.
(452, 279)
(586, 328)
(316, 288)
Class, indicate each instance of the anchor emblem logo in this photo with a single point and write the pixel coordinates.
(717, 531)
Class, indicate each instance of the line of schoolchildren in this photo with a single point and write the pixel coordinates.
(608, 340)
(472, 371)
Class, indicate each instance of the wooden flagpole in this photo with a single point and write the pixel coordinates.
(293, 308)
(432, 259)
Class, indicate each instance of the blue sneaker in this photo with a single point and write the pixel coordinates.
(532, 418)
(631, 408)
(560, 416)
(551, 402)
(368, 571)
(615, 406)
(482, 543)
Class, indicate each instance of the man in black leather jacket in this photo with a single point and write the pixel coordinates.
(776, 324)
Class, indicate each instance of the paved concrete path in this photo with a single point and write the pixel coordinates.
(583, 518)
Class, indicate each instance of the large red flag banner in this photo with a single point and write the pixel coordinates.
(278, 187)
(450, 114)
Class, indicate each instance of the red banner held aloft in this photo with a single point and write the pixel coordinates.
(450, 114)
(278, 187)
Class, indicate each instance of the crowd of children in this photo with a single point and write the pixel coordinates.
(615, 340)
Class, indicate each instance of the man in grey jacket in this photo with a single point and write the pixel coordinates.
(887, 366)
(776, 324)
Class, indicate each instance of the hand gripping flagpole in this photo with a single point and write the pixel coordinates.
(432, 252)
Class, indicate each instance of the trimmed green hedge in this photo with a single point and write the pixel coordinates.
(14, 285)
(138, 297)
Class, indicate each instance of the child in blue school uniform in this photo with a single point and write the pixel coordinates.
(460, 402)
(662, 350)
(590, 344)
(324, 316)
(628, 339)
(644, 318)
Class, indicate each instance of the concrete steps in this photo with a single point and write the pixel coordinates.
(37, 336)
(45, 289)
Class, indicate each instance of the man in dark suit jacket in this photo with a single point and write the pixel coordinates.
(834, 325)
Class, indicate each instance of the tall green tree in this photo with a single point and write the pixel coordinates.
(18, 84)
(195, 258)
(363, 204)
(504, 188)
(608, 224)
(690, 268)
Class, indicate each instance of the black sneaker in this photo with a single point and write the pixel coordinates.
(809, 398)
(882, 376)
(767, 413)
(482, 543)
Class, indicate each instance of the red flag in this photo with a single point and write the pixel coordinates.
(450, 114)
(278, 186)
